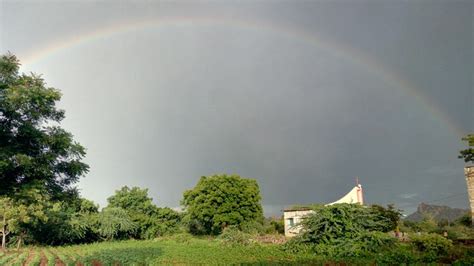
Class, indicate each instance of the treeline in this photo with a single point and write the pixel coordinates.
(217, 202)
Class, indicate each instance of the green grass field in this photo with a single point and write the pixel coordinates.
(153, 252)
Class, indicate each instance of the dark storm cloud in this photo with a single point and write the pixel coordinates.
(159, 107)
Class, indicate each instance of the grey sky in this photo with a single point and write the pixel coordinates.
(301, 95)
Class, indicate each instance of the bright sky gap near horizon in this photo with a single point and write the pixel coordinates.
(302, 96)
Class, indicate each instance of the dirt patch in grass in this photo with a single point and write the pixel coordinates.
(43, 261)
(31, 255)
(59, 262)
(96, 263)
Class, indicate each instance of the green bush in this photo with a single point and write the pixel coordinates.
(428, 224)
(252, 227)
(340, 221)
(274, 226)
(459, 232)
(297, 245)
(231, 235)
(465, 220)
(219, 201)
(344, 231)
(396, 255)
(431, 246)
(364, 245)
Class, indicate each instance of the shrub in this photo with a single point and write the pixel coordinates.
(274, 226)
(363, 246)
(252, 227)
(396, 255)
(343, 231)
(465, 220)
(428, 224)
(340, 221)
(432, 246)
(389, 217)
(295, 245)
(231, 235)
(459, 232)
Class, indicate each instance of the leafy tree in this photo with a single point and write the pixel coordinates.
(23, 211)
(132, 199)
(32, 145)
(222, 200)
(163, 221)
(468, 154)
(114, 223)
(71, 222)
(8, 214)
(150, 220)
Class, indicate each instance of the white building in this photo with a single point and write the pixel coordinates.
(293, 216)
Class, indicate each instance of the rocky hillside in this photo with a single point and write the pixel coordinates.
(437, 212)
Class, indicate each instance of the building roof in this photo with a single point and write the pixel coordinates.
(297, 209)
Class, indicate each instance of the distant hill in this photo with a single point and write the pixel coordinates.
(437, 212)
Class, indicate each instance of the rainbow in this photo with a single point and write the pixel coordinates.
(335, 49)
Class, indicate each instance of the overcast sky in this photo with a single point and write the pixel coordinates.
(302, 95)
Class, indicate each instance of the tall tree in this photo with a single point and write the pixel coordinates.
(222, 200)
(33, 147)
(468, 156)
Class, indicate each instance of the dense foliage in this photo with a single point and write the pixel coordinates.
(342, 230)
(150, 220)
(432, 246)
(222, 200)
(32, 145)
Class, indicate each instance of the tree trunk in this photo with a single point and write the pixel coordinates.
(469, 173)
(4, 238)
(20, 237)
(4, 232)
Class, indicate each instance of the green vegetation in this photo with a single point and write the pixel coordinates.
(222, 221)
(163, 251)
(344, 230)
(228, 249)
(354, 233)
(432, 246)
(150, 221)
(222, 200)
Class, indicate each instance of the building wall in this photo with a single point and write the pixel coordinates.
(469, 173)
(292, 220)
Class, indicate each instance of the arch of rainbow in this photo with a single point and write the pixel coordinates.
(333, 48)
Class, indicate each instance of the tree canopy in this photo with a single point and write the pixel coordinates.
(221, 200)
(150, 220)
(33, 147)
(468, 154)
(133, 199)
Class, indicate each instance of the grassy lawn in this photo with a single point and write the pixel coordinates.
(152, 252)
